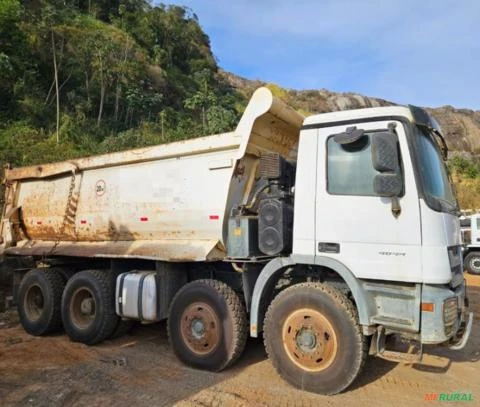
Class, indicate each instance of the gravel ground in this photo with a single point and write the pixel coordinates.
(141, 370)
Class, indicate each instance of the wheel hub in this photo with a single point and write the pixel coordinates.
(309, 339)
(475, 264)
(306, 339)
(82, 307)
(34, 302)
(86, 306)
(200, 328)
(38, 301)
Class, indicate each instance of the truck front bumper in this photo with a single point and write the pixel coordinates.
(450, 322)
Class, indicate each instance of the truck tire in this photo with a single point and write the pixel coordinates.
(313, 338)
(65, 273)
(207, 325)
(39, 301)
(472, 263)
(88, 307)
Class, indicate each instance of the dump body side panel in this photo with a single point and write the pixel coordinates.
(170, 209)
(177, 198)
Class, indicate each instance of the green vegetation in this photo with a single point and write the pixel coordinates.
(82, 77)
(464, 167)
(466, 177)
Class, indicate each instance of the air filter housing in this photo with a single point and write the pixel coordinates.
(275, 224)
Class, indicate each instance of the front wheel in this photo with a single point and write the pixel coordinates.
(313, 338)
(472, 263)
(207, 325)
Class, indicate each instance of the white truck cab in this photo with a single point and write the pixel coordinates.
(374, 211)
(393, 225)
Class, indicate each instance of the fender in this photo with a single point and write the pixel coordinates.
(267, 280)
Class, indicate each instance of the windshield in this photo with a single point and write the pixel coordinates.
(435, 179)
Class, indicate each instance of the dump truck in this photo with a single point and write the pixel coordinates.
(325, 235)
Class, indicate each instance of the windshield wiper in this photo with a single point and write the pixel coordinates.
(443, 144)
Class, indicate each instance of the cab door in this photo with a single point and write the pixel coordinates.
(356, 226)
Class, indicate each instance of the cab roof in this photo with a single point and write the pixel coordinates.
(359, 114)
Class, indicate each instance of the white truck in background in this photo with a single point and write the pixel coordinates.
(470, 229)
(326, 234)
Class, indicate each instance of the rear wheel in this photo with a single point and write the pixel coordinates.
(88, 307)
(472, 263)
(65, 273)
(39, 299)
(207, 325)
(313, 338)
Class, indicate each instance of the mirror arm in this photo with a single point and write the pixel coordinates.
(396, 209)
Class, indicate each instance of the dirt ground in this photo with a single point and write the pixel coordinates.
(141, 370)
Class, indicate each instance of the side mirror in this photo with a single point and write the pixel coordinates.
(388, 185)
(386, 160)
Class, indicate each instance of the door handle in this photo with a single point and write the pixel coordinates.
(328, 247)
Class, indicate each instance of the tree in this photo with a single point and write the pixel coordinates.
(13, 58)
(203, 98)
(220, 119)
(43, 27)
(80, 76)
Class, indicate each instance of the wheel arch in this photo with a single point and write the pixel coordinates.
(469, 250)
(271, 273)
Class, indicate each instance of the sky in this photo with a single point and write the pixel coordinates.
(423, 52)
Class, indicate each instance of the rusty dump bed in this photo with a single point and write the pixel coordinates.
(167, 202)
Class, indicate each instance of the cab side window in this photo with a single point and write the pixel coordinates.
(349, 167)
